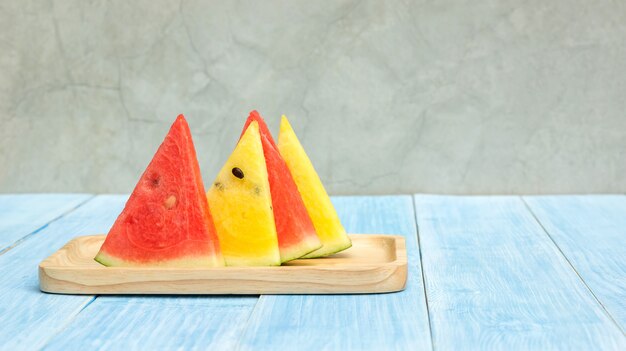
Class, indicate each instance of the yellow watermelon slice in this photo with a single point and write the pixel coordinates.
(166, 220)
(325, 220)
(241, 205)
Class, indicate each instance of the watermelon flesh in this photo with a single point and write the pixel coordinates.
(294, 228)
(318, 205)
(166, 220)
(241, 204)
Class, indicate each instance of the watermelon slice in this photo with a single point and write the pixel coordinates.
(296, 233)
(241, 204)
(166, 220)
(316, 200)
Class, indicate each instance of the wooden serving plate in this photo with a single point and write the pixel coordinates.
(374, 264)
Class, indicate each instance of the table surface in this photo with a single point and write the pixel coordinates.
(485, 272)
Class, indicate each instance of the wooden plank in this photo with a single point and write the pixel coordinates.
(29, 317)
(25, 214)
(591, 232)
(350, 322)
(374, 263)
(495, 280)
(157, 323)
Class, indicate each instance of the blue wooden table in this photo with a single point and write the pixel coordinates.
(496, 272)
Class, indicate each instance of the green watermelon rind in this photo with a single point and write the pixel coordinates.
(110, 261)
(188, 262)
(299, 250)
(103, 259)
(332, 249)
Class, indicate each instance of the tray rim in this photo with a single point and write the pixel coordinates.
(47, 271)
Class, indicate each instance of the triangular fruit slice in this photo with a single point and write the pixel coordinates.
(318, 204)
(295, 231)
(241, 203)
(166, 220)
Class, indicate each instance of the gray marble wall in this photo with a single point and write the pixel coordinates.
(474, 97)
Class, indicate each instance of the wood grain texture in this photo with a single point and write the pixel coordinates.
(24, 214)
(157, 323)
(591, 232)
(350, 322)
(374, 263)
(29, 317)
(495, 280)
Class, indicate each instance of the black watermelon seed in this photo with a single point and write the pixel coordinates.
(237, 172)
(155, 180)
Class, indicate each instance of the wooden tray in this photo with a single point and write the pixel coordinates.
(374, 264)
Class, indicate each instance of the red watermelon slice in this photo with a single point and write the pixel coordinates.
(166, 221)
(295, 231)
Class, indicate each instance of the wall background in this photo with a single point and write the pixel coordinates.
(388, 97)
